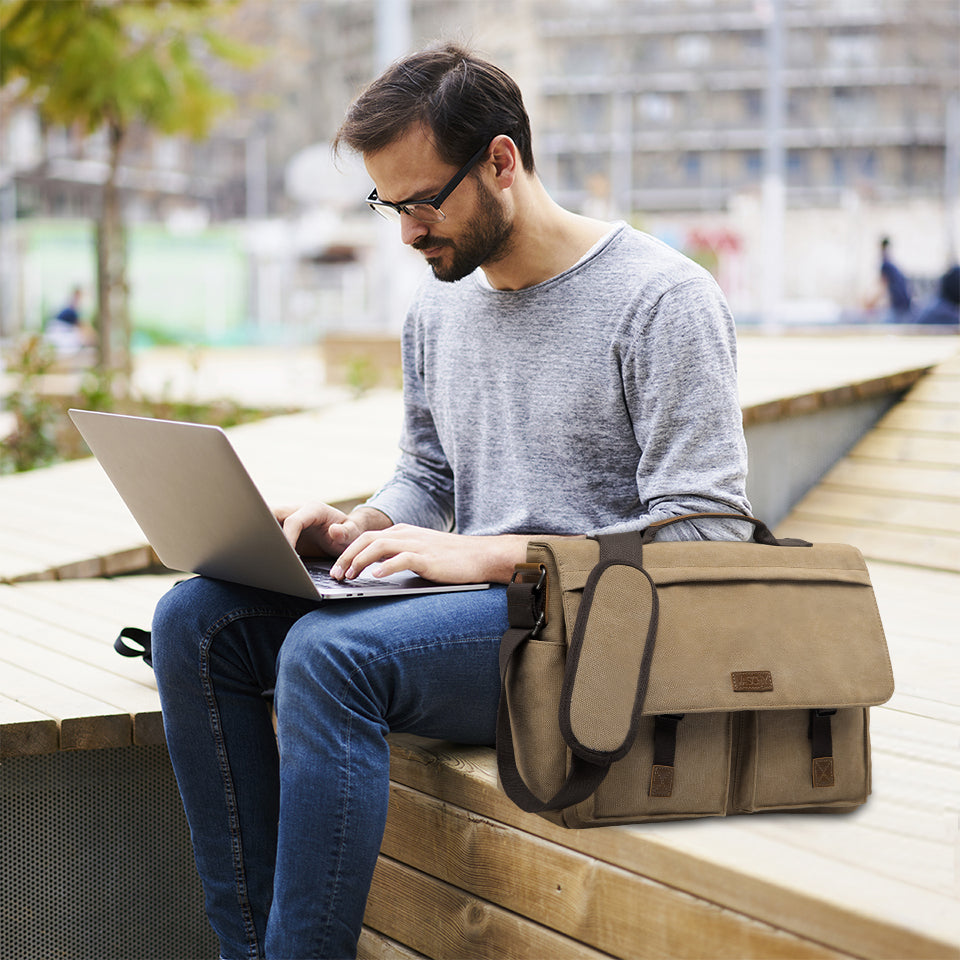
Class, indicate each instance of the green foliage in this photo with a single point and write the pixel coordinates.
(32, 442)
(361, 375)
(43, 434)
(117, 62)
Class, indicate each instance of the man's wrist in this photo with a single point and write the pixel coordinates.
(369, 518)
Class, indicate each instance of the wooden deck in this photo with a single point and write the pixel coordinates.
(68, 521)
(464, 873)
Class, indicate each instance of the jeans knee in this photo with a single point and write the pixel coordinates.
(184, 618)
(176, 632)
(319, 655)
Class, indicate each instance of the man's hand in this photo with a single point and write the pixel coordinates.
(443, 557)
(316, 529)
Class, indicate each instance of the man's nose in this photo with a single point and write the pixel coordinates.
(411, 229)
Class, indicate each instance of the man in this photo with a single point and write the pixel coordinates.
(67, 331)
(896, 285)
(561, 376)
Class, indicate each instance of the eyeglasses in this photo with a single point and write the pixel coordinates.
(426, 211)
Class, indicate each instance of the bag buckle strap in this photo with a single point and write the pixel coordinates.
(821, 748)
(664, 751)
(527, 597)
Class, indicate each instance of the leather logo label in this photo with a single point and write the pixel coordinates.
(661, 781)
(752, 681)
(823, 772)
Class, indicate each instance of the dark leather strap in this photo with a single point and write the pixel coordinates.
(761, 532)
(140, 639)
(821, 748)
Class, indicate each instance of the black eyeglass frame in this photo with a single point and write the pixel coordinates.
(393, 210)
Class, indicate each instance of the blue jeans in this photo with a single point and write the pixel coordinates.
(286, 839)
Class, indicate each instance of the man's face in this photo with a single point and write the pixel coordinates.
(476, 230)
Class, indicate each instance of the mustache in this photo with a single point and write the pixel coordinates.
(428, 242)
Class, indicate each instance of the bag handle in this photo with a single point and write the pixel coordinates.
(761, 532)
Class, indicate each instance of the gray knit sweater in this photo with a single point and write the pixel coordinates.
(601, 399)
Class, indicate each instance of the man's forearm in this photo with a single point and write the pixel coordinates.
(369, 518)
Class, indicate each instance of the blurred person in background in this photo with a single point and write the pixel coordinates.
(895, 289)
(944, 307)
(66, 331)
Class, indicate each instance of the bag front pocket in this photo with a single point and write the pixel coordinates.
(700, 776)
(777, 769)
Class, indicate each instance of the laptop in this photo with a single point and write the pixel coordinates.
(201, 512)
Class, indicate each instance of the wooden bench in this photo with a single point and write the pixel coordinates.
(463, 873)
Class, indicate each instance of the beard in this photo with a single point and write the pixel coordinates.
(486, 239)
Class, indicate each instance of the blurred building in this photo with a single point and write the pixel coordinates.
(650, 110)
(661, 106)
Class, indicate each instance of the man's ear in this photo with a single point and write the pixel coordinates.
(506, 160)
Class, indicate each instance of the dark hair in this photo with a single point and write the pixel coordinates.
(463, 101)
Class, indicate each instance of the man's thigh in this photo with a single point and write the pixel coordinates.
(425, 664)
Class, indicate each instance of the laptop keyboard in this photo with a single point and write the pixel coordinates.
(320, 575)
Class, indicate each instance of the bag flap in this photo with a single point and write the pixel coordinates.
(745, 626)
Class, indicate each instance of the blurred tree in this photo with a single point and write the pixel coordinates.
(93, 64)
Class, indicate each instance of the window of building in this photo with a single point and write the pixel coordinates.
(798, 166)
(693, 49)
(655, 108)
(752, 46)
(576, 169)
(852, 49)
(752, 104)
(692, 166)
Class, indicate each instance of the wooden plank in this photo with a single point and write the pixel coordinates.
(439, 920)
(33, 614)
(910, 447)
(40, 602)
(771, 368)
(124, 695)
(375, 946)
(937, 387)
(895, 545)
(923, 418)
(25, 731)
(588, 900)
(857, 474)
(86, 723)
(884, 509)
(96, 650)
(910, 704)
(847, 908)
(103, 605)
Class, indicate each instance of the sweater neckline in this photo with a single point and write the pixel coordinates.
(480, 278)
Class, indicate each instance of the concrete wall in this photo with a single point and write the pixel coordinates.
(790, 455)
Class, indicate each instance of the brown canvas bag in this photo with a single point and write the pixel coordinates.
(648, 680)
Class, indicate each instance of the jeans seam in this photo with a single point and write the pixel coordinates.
(230, 796)
(348, 739)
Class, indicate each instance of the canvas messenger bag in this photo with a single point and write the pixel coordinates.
(647, 680)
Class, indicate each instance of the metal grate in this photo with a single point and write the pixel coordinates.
(95, 860)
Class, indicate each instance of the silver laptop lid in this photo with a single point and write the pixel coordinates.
(201, 511)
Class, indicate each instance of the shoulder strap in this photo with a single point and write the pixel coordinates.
(606, 674)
